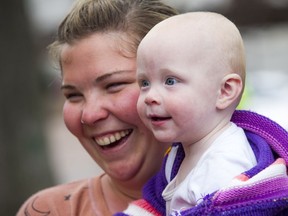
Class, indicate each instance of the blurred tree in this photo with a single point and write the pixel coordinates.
(244, 12)
(23, 161)
(257, 12)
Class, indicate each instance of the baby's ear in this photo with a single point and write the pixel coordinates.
(230, 92)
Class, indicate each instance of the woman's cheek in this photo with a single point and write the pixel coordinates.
(141, 108)
(72, 119)
(127, 104)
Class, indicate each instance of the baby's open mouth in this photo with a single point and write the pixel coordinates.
(160, 118)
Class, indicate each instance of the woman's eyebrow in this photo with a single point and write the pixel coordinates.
(108, 75)
(67, 87)
(99, 79)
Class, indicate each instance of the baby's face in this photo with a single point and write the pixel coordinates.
(178, 90)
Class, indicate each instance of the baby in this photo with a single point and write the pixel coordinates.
(191, 72)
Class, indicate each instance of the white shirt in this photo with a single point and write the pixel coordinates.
(228, 156)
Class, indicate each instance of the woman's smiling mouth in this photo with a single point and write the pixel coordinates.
(112, 138)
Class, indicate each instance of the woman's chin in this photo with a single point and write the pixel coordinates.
(124, 170)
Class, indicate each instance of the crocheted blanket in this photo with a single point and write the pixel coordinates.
(262, 190)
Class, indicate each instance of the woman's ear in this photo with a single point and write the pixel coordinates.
(230, 92)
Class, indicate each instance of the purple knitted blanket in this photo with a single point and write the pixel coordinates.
(262, 190)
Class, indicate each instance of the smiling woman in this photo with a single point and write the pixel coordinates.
(98, 97)
(96, 48)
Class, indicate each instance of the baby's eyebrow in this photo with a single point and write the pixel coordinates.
(140, 75)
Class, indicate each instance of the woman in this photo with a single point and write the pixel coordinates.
(96, 50)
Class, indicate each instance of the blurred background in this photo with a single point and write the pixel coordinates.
(37, 151)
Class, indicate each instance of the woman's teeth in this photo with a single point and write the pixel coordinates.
(111, 138)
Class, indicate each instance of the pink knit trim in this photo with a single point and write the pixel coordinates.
(145, 205)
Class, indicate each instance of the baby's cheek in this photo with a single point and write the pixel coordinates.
(72, 119)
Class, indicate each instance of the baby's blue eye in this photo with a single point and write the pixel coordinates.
(170, 81)
(144, 83)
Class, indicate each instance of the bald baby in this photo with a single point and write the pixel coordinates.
(202, 45)
(208, 31)
(191, 73)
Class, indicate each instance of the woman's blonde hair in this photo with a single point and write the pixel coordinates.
(134, 18)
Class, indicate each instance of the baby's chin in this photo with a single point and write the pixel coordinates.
(163, 138)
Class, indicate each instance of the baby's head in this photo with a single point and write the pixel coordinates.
(202, 50)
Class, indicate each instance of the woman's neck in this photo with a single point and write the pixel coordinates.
(117, 195)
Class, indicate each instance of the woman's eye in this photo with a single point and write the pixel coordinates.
(170, 81)
(112, 85)
(72, 96)
(115, 87)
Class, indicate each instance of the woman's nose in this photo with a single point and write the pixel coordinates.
(92, 112)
